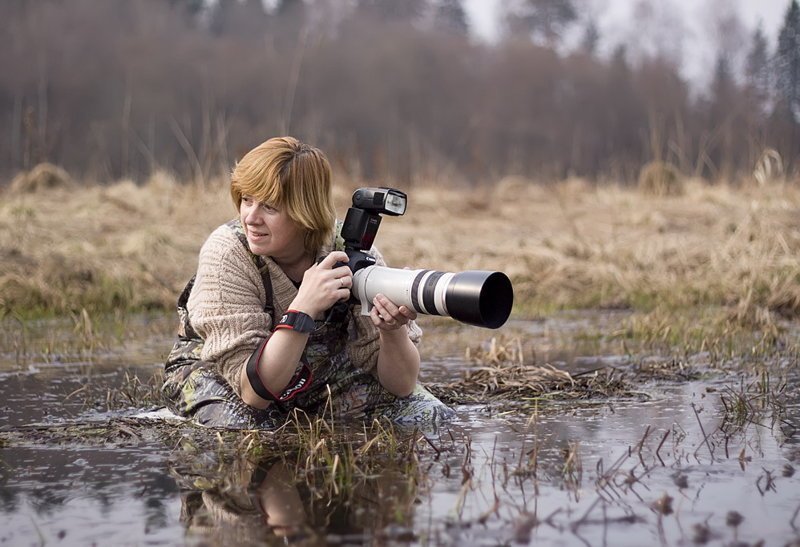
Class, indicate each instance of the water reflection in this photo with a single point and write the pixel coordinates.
(84, 495)
(244, 505)
(233, 500)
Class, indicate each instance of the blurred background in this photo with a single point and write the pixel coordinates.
(465, 91)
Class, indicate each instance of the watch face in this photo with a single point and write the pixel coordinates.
(304, 323)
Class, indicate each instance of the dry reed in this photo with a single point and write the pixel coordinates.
(568, 245)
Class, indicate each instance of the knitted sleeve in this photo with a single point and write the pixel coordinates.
(365, 339)
(226, 306)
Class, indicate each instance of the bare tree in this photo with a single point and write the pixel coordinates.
(543, 20)
(757, 70)
(449, 15)
(787, 62)
(392, 11)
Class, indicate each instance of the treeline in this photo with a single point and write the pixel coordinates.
(391, 90)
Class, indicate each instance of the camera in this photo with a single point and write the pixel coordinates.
(476, 297)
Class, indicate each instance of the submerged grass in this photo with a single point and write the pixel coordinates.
(756, 402)
(372, 475)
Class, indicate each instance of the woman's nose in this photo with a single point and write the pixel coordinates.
(250, 215)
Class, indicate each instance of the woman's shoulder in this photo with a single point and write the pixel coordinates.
(223, 235)
(226, 265)
(223, 244)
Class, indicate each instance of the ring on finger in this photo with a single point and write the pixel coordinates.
(341, 282)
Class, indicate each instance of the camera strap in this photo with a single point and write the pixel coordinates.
(300, 382)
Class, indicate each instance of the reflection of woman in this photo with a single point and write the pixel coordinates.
(244, 501)
(239, 501)
(257, 339)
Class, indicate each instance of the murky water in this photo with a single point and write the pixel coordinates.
(708, 461)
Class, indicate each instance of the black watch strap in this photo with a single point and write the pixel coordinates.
(297, 321)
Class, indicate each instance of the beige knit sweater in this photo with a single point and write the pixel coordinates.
(226, 308)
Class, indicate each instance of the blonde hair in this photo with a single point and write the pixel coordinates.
(293, 176)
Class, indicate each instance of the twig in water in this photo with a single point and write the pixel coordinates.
(703, 431)
(82, 388)
(574, 526)
(435, 448)
(663, 440)
(641, 444)
(770, 483)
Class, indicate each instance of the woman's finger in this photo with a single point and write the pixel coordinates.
(386, 306)
(408, 313)
(332, 259)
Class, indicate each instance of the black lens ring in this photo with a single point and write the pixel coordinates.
(429, 292)
(415, 290)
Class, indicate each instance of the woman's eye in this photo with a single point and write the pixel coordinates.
(268, 208)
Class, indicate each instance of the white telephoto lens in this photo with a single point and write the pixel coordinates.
(480, 298)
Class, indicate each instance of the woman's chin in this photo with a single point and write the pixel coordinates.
(258, 246)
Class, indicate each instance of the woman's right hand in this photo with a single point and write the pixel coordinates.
(324, 285)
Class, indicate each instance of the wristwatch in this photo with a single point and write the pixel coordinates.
(297, 321)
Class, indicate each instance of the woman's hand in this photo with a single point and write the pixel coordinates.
(387, 316)
(324, 285)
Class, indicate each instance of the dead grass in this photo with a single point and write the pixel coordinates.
(503, 375)
(569, 245)
(658, 178)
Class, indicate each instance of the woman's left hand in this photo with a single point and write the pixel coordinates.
(386, 316)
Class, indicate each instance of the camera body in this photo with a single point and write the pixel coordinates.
(363, 220)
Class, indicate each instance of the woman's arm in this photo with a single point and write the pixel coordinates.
(226, 308)
(322, 286)
(276, 365)
(226, 305)
(398, 358)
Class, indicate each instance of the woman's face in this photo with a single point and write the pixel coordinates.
(271, 232)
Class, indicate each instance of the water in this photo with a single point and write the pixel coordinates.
(674, 468)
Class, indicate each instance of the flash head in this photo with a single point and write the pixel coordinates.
(363, 219)
(381, 200)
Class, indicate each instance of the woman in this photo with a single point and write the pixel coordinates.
(257, 337)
